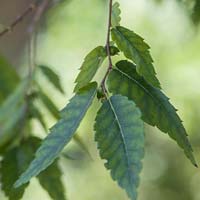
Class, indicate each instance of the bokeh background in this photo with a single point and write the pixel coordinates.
(68, 32)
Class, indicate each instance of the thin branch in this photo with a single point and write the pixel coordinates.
(108, 48)
(19, 19)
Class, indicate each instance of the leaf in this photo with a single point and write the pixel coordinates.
(82, 145)
(196, 12)
(35, 113)
(154, 105)
(120, 137)
(12, 112)
(16, 160)
(52, 77)
(135, 49)
(50, 180)
(8, 129)
(13, 101)
(13, 164)
(115, 19)
(49, 104)
(61, 133)
(8, 79)
(91, 64)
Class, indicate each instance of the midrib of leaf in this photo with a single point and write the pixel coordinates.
(159, 103)
(132, 53)
(123, 141)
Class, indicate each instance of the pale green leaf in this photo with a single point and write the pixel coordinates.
(52, 77)
(135, 49)
(61, 133)
(115, 19)
(91, 64)
(155, 106)
(120, 137)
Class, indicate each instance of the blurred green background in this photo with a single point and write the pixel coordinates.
(72, 29)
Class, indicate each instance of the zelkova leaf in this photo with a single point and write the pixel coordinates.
(61, 133)
(135, 49)
(52, 77)
(91, 64)
(154, 105)
(196, 12)
(115, 19)
(120, 137)
(9, 76)
(50, 180)
(11, 166)
(16, 160)
(36, 114)
(52, 108)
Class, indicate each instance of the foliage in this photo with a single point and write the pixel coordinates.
(129, 94)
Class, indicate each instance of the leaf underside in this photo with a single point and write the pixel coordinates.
(52, 77)
(154, 105)
(90, 66)
(61, 133)
(135, 49)
(120, 138)
(115, 19)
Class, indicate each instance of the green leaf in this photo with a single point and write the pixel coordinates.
(13, 101)
(50, 180)
(155, 106)
(52, 108)
(120, 137)
(196, 12)
(8, 129)
(82, 145)
(35, 113)
(14, 162)
(8, 79)
(52, 77)
(90, 66)
(12, 112)
(61, 133)
(115, 19)
(135, 49)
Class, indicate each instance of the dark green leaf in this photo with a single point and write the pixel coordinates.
(8, 79)
(61, 133)
(115, 20)
(120, 137)
(137, 50)
(50, 180)
(155, 106)
(196, 12)
(52, 77)
(14, 162)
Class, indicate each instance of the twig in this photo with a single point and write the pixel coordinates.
(19, 19)
(108, 49)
